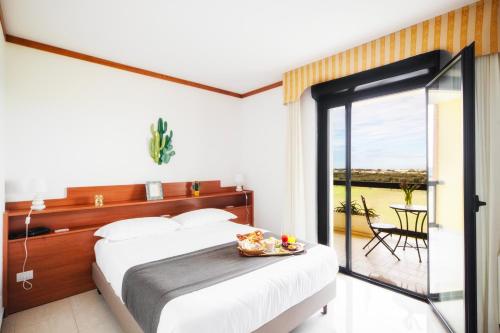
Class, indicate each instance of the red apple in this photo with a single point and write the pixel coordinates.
(284, 238)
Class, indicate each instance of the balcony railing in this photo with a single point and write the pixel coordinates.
(379, 196)
(357, 183)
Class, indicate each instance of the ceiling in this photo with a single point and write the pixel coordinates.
(230, 44)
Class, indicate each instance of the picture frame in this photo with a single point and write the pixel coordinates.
(154, 190)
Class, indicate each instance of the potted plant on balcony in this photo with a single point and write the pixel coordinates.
(359, 225)
(408, 190)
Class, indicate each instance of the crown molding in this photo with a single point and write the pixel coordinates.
(262, 89)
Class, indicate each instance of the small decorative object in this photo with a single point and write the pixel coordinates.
(240, 181)
(160, 145)
(98, 200)
(408, 191)
(196, 188)
(154, 190)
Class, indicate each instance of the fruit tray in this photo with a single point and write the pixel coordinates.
(281, 251)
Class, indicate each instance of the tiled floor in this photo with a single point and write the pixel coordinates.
(358, 307)
(408, 273)
(362, 307)
(84, 313)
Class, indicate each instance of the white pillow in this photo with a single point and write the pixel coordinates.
(138, 227)
(201, 217)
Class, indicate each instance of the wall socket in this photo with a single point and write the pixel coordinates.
(24, 276)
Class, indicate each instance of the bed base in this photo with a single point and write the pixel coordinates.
(285, 322)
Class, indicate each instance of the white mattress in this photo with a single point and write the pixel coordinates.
(242, 304)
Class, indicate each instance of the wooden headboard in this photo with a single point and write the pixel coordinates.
(62, 261)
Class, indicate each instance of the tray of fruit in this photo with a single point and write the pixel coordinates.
(254, 245)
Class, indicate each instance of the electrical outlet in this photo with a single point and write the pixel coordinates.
(24, 276)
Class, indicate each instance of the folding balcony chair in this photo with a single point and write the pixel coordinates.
(378, 230)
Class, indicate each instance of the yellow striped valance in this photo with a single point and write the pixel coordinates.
(452, 31)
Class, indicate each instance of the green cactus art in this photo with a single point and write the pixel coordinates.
(161, 149)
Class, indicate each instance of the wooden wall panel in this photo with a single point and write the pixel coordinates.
(61, 265)
(244, 214)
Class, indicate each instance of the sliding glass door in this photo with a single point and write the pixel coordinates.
(452, 202)
(388, 149)
(396, 180)
(376, 144)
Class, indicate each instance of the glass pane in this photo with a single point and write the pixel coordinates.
(338, 190)
(389, 154)
(446, 175)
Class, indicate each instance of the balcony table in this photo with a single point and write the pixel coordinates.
(418, 211)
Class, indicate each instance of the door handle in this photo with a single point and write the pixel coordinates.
(478, 203)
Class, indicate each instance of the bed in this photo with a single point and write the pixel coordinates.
(274, 298)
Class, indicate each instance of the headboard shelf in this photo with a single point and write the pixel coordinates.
(62, 261)
(72, 208)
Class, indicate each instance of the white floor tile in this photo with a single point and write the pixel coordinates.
(363, 307)
(359, 307)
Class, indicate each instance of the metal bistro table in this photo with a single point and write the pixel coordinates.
(420, 213)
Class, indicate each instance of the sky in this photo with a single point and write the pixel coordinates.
(388, 132)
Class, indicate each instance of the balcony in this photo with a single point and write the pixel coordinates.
(408, 273)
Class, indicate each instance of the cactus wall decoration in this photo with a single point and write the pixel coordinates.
(161, 149)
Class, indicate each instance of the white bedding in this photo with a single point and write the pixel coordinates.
(242, 304)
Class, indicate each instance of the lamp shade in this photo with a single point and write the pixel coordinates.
(239, 179)
(38, 186)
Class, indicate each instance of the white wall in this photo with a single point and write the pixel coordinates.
(75, 123)
(264, 155)
(264, 119)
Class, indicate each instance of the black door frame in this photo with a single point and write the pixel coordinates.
(413, 73)
(471, 200)
(343, 92)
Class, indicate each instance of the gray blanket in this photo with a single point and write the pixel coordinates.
(148, 287)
